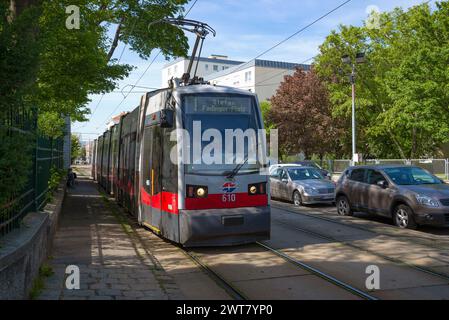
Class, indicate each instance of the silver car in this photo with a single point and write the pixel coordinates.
(302, 185)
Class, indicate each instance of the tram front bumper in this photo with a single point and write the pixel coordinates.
(223, 227)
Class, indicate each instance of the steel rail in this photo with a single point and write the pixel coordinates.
(223, 283)
(320, 274)
(394, 260)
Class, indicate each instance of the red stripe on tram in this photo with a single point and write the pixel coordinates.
(165, 201)
(224, 201)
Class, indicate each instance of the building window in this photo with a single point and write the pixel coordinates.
(248, 76)
(206, 67)
(176, 70)
(215, 67)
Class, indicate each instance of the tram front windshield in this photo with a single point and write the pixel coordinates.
(223, 114)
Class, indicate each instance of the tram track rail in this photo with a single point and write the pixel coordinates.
(332, 239)
(422, 240)
(236, 294)
(230, 289)
(319, 273)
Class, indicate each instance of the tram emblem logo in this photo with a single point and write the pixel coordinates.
(229, 187)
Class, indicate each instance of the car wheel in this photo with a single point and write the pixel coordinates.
(403, 217)
(343, 206)
(297, 199)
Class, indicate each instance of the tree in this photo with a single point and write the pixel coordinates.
(265, 107)
(49, 71)
(402, 94)
(75, 147)
(76, 63)
(301, 112)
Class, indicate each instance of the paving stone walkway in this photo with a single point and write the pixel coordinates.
(113, 264)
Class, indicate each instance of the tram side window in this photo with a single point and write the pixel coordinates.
(169, 169)
(147, 159)
(156, 159)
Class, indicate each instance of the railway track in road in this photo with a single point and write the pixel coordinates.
(421, 240)
(226, 285)
(237, 294)
(351, 245)
(320, 274)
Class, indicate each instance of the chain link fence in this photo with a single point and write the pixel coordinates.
(438, 167)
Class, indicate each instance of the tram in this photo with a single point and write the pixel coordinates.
(157, 161)
(141, 161)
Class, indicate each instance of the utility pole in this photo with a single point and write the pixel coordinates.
(359, 59)
(354, 133)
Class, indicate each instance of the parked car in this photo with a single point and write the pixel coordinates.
(410, 195)
(310, 163)
(302, 185)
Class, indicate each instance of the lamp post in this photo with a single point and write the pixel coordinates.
(360, 58)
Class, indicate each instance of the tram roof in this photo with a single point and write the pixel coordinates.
(206, 88)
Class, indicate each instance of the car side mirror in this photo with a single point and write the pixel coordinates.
(383, 184)
(285, 180)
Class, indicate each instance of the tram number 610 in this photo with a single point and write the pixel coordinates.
(228, 197)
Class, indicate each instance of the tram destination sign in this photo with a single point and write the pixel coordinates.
(218, 104)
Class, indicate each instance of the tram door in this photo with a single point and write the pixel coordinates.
(152, 177)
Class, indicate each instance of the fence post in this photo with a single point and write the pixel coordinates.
(35, 171)
(447, 169)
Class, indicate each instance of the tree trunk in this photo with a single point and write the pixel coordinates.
(116, 38)
(413, 149)
(401, 151)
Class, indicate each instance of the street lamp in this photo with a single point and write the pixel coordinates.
(359, 58)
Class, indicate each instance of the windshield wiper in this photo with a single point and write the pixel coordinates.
(236, 170)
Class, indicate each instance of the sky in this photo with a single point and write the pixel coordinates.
(245, 29)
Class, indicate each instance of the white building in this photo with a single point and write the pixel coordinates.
(206, 67)
(262, 77)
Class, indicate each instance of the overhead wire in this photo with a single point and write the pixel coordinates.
(143, 74)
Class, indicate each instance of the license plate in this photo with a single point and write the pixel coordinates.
(232, 221)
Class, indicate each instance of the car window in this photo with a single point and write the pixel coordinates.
(375, 176)
(284, 175)
(304, 174)
(357, 175)
(411, 176)
(276, 173)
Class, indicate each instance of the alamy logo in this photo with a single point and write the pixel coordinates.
(72, 281)
(373, 20)
(224, 147)
(73, 20)
(373, 280)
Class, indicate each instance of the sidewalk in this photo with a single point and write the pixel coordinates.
(112, 266)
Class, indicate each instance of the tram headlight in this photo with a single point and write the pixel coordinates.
(257, 188)
(253, 190)
(196, 191)
(200, 192)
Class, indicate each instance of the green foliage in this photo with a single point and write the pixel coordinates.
(18, 67)
(15, 163)
(45, 271)
(265, 107)
(49, 70)
(402, 90)
(76, 147)
(76, 63)
(51, 124)
(56, 176)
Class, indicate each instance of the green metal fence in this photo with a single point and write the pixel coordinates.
(20, 125)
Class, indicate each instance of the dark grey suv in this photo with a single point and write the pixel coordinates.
(410, 195)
